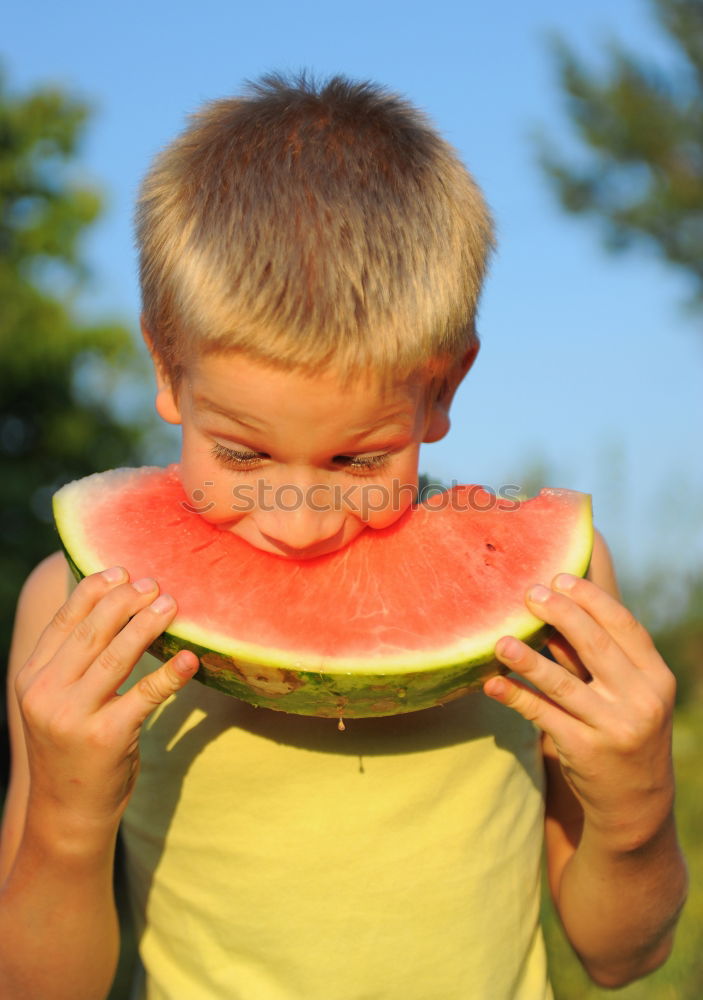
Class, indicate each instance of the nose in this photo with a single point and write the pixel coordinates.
(300, 539)
(300, 525)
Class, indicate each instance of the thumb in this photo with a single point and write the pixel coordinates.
(153, 689)
(530, 704)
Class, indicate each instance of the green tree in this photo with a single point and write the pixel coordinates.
(57, 372)
(641, 129)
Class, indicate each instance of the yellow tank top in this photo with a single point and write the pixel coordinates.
(272, 857)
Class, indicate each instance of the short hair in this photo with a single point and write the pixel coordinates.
(312, 225)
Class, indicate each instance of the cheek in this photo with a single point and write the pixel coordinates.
(208, 490)
(380, 505)
(384, 518)
(201, 496)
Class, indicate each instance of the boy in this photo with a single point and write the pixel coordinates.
(311, 262)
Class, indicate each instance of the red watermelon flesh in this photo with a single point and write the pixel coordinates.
(401, 619)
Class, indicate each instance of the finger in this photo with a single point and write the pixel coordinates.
(139, 702)
(533, 706)
(91, 635)
(596, 647)
(559, 686)
(614, 618)
(561, 650)
(88, 592)
(113, 665)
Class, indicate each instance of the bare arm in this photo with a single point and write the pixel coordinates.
(74, 753)
(618, 893)
(619, 903)
(615, 868)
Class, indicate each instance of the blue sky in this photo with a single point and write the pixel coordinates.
(590, 365)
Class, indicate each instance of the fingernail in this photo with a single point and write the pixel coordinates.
(565, 581)
(114, 574)
(538, 594)
(162, 604)
(145, 586)
(184, 664)
(495, 687)
(508, 649)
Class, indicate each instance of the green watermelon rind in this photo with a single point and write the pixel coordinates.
(353, 694)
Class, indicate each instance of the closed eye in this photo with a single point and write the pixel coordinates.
(363, 462)
(231, 456)
(242, 459)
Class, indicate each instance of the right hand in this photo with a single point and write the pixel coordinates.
(82, 737)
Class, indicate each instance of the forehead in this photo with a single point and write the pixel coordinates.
(233, 385)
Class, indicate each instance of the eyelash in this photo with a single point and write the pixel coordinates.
(245, 460)
(368, 463)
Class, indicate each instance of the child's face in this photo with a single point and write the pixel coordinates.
(291, 463)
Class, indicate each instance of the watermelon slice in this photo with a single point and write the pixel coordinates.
(401, 619)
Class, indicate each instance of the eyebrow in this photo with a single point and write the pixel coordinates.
(394, 417)
(238, 418)
(394, 421)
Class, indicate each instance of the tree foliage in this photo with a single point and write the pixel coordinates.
(56, 422)
(641, 129)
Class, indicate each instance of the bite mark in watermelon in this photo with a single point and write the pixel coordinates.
(401, 619)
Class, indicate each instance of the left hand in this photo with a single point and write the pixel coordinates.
(607, 704)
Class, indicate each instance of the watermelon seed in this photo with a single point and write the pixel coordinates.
(490, 547)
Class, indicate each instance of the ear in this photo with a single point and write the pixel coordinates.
(166, 403)
(437, 421)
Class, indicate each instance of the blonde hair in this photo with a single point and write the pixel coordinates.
(312, 225)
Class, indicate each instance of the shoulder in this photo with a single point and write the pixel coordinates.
(602, 569)
(50, 576)
(44, 591)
